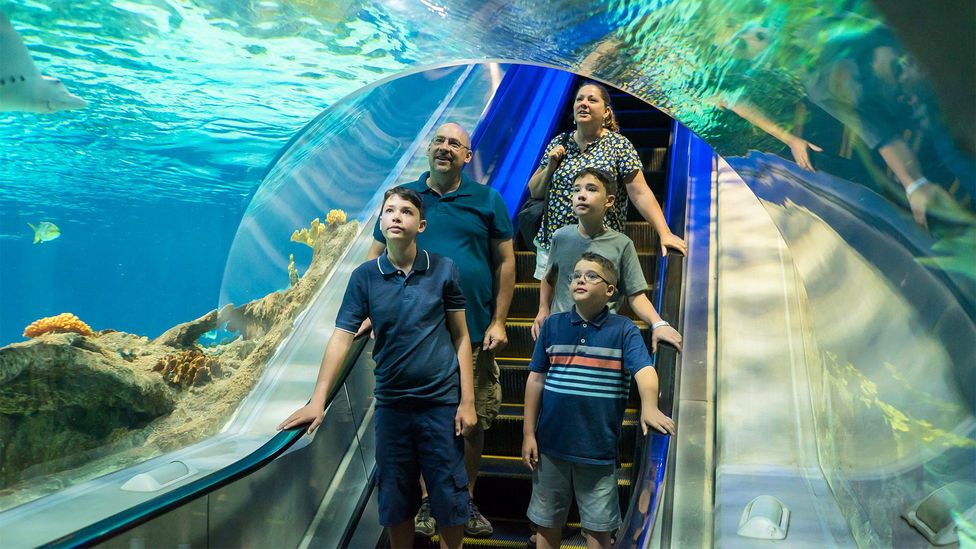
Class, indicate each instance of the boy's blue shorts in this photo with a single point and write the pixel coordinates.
(411, 440)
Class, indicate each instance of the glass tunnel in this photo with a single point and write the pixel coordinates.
(203, 176)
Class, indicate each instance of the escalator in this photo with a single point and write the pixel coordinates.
(252, 500)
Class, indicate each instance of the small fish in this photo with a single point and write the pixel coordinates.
(45, 231)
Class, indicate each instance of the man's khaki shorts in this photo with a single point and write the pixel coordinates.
(487, 388)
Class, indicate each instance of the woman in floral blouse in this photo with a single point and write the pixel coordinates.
(595, 143)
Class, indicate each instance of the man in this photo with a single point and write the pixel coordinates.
(469, 223)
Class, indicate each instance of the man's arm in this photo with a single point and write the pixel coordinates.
(645, 311)
(545, 300)
(651, 416)
(533, 395)
(465, 418)
(503, 258)
(335, 354)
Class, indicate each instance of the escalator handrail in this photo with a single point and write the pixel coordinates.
(118, 523)
(656, 451)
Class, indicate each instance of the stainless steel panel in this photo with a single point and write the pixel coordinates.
(185, 527)
(271, 507)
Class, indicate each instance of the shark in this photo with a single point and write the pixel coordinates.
(22, 86)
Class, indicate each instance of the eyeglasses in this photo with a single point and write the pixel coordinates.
(588, 276)
(451, 143)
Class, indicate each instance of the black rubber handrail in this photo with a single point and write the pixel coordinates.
(118, 523)
(654, 453)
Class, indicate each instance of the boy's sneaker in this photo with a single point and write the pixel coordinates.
(423, 523)
(477, 525)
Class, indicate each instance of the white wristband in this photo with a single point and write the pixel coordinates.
(915, 185)
(659, 323)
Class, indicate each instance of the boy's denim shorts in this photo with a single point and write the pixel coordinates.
(416, 439)
(554, 482)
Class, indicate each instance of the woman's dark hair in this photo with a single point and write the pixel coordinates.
(409, 195)
(608, 181)
(610, 122)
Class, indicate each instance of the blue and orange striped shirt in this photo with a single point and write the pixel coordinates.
(588, 366)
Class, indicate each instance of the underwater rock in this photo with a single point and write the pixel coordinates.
(188, 368)
(73, 408)
(57, 324)
(64, 394)
(186, 335)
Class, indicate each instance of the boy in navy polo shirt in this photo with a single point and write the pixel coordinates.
(424, 390)
(580, 371)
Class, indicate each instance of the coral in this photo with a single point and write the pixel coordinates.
(188, 368)
(58, 324)
(310, 234)
(293, 275)
(336, 217)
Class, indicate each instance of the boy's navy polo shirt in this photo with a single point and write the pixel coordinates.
(461, 225)
(588, 366)
(414, 352)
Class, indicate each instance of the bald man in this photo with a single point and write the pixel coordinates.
(469, 223)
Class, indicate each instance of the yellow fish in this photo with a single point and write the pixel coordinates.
(45, 231)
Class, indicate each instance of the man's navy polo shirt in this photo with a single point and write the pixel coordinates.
(414, 352)
(461, 225)
(588, 366)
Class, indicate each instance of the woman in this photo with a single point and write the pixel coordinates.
(596, 142)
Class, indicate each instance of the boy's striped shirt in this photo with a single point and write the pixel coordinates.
(588, 366)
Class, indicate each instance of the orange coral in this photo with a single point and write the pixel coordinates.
(188, 368)
(336, 217)
(310, 234)
(58, 324)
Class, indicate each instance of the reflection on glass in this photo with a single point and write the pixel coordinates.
(142, 190)
(78, 404)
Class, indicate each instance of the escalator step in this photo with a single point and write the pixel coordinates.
(505, 436)
(643, 235)
(525, 297)
(513, 377)
(521, 344)
(525, 267)
(507, 498)
(657, 160)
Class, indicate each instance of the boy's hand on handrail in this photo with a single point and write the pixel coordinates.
(465, 419)
(665, 334)
(366, 328)
(653, 418)
(530, 451)
(311, 413)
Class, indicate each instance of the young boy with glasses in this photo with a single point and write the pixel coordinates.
(580, 372)
(594, 192)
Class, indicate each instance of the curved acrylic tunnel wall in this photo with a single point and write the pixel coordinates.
(826, 115)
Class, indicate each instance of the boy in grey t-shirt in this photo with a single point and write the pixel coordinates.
(594, 192)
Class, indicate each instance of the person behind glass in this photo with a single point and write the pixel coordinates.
(469, 223)
(594, 193)
(424, 389)
(580, 371)
(597, 143)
